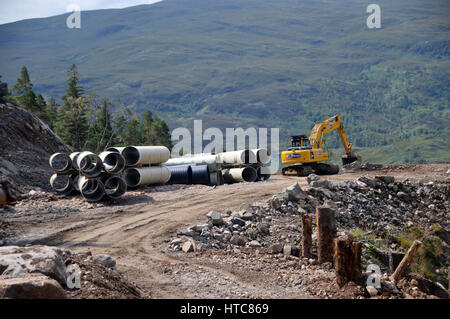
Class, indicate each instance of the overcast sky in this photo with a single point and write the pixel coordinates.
(14, 10)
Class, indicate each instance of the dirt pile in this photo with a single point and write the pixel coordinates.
(26, 144)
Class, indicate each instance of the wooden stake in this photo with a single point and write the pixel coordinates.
(326, 233)
(307, 236)
(347, 260)
(406, 261)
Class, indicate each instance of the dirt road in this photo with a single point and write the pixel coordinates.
(136, 234)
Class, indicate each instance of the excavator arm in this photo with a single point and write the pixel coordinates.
(333, 123)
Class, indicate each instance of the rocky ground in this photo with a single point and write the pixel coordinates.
(26, 143)
(243, 240)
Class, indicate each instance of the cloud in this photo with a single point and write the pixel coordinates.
(26, 9)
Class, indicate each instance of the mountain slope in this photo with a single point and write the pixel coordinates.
(277, 63)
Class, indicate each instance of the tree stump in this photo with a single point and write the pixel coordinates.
(326, 233)
(347, 260)
(406, 261)
(394, 260)
(306, 236)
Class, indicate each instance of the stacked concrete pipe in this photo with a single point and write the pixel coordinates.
(245, 165)
(144, 164)
(94, 176)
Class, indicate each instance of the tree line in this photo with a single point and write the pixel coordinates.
(87, 122)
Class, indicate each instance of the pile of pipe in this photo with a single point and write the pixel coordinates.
(199, 169)
(245, 165)
(226, 167)
(109, 174)
(96, 177)
(144, 165)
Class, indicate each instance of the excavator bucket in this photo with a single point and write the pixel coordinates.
(347, 159)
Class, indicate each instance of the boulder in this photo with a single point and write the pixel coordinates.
(312, 178)
(275, 202)
(31, 287)
(237, 240)
(105, 260)
(370, 182)
(215, 217)
(188, 247)
(17, 261)
(320, 183)
(295, 193)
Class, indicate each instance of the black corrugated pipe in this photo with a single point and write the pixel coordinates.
(180, 174)
(200, 175)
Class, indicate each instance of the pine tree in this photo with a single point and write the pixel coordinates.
(133, 132)
(146, 127)
(72, 123)
(103, 128)
(24, 88)
(52, 112)
(41, 108)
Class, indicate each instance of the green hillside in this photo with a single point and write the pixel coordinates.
(273, 63)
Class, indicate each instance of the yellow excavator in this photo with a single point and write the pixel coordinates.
(306, 154)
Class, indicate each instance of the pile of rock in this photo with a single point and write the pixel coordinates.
(379, 203)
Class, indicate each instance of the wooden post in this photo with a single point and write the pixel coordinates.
(326, 233)
(406, 261)
(347, 260)
(306, 236)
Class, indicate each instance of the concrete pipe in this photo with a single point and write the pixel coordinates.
(115, 187)
(62, 184)
(113, 162)
(263, 173)
(60, 163)
(92, 190)
(145, 155)
(262, 155)
(238, 157)
(146, 175)
(90, 164)
(115, 149)
(73, 157)
(211, 160)
(236, 175)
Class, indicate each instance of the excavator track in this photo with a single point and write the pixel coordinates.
(306, 169)
(297, 170)
(325, 169)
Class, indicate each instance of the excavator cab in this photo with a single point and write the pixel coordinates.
(299, 142)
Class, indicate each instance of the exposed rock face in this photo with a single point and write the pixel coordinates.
(26, 143)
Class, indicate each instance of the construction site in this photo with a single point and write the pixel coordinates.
(145, 226)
